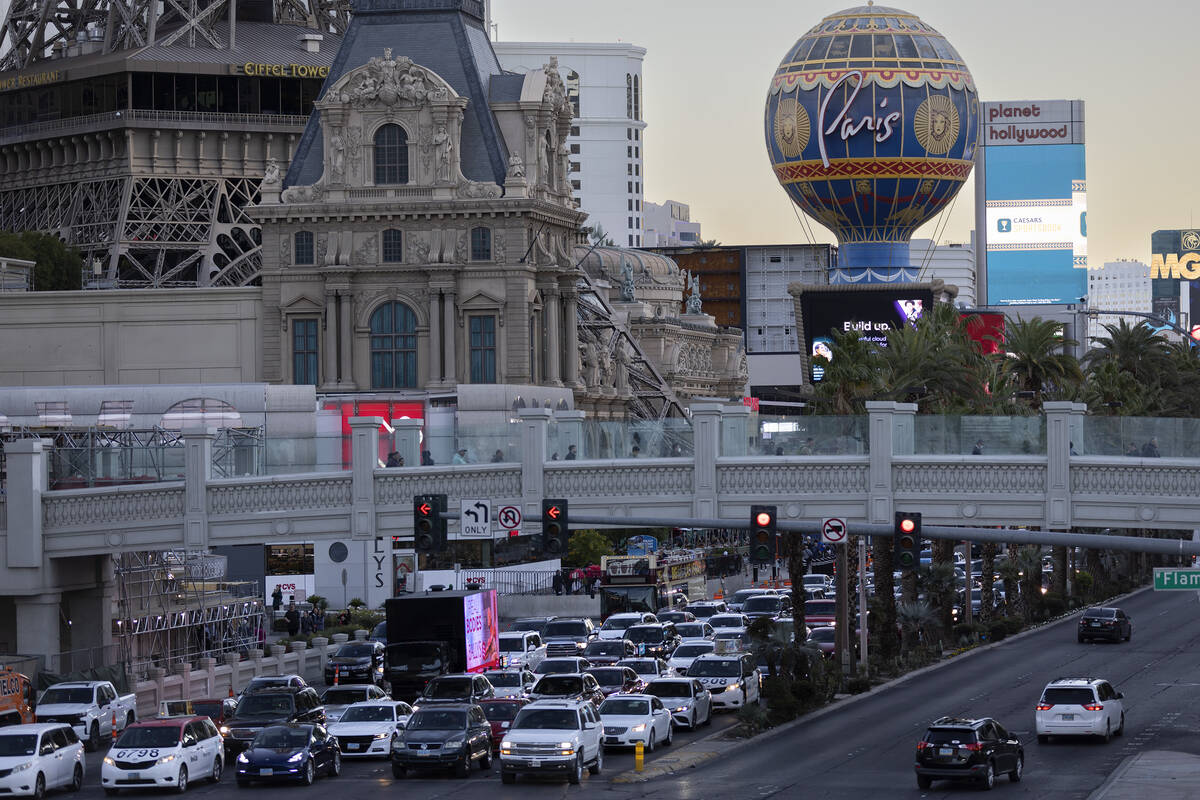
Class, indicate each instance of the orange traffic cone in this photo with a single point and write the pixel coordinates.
(114, 726)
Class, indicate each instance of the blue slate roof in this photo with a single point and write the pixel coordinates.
(507, 88)
(445, 36)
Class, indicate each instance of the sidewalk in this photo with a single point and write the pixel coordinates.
(1161, 774)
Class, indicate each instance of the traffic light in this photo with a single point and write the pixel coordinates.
(763, 536)
(556, 528)
(907, 541)
(429, 526)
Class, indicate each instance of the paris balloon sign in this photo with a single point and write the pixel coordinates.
(871, 125)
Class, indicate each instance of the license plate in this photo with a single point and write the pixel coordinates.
(351, 745)
(425, 753)
(535, 762)
(1095, 624)
(266, 773)
(945, 751)
(1068, 716)
(611, 740)
(135, 776)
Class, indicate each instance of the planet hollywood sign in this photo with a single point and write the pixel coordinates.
(1028, 122)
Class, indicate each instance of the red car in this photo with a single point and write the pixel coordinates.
(819, 613)
(500, 713)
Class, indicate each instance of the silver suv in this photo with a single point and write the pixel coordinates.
(553, 736)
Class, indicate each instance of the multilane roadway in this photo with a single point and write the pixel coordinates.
(865, 750)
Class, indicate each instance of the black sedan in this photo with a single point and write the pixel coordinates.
(444, 736)
(356, 662)
(289, 752)
(1105, 623)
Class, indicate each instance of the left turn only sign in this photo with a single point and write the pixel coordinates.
(475, 519)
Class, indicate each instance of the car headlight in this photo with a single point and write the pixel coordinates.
(638, 728)
(224, 729)
(108, 760)
(565, 745)
(382, 735)
(22, 767)
(167, 759)
(581, 645)
(679, 709)
(733, 687)
(453, 744)
(297, 757)
(241, 759)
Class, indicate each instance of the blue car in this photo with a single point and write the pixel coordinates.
(289, 752)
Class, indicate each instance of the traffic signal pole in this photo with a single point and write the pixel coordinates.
(841, 629)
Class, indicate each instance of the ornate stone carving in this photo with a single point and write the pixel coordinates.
(1136, 481)
(695, 304)
(477, 189)
(460, 249)
(285, 249)
(354, 137)
(337, 156)
(498, 246)
(497, 481)
(556, 92)
(516, 166)
(444, 148)
(367, 251)
(271, 176)
(621, 368)
(391, 81)
(323, 250)
(303, 194)
(628, 292)
(418, 248)
(821, 479)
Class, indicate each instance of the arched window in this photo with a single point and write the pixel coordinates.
(628, 95)
(481, 244)
(305, 251)
(393, 347)
(393, 246)
(573, 90)
(391, 155)
(637, 96)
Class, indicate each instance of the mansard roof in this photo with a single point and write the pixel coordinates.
(445, 36)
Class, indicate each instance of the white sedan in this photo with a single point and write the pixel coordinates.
(688, 701)
(369, 728)
(728, 622)
(687, 652)
(628, 719)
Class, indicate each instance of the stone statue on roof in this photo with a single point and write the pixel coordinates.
(628, 292)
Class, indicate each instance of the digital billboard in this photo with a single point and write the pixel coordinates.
(1032, 222)
(481, 622)
(1175, 276)
(867, 309)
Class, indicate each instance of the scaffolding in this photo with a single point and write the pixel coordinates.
(100, 456)
(174, 607)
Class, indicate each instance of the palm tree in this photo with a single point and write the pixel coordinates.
(987, 576)
(882, 621)
(851, 378)
(1035, 356)
(939, 584)
(918, 624)
(1029, 564)
(1137, 349)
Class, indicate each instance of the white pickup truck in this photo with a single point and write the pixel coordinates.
(89, 707)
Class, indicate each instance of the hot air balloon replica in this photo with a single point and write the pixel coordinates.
(871, 125)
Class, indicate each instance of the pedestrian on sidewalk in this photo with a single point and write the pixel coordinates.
(293, 619)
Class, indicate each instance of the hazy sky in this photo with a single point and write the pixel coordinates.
(709, 63)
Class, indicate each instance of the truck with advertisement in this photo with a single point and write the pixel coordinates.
(438, 633)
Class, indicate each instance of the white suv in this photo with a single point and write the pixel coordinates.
(733, 680)
(164, 753)
(1080, 707)
(553, 736)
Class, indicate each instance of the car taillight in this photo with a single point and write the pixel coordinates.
(922, 745)
(1093, 707)
(1044, 706)
(974, 747)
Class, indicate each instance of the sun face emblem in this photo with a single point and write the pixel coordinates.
(791, 128)
(936, 124)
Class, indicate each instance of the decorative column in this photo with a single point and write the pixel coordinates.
(735, 439)
(26, 465)
(533, 457)
(407, 438)
(706, 435)
(889, 422)
(435, 337)
(364, 459)
(1063, 420)
(330, 343)
(571, 338)
(346, 324)
(197, 471)
(553, 351)
(448, 338)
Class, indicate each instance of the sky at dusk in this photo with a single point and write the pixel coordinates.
(709, 63)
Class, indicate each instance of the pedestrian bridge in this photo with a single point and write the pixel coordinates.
(1052, 490)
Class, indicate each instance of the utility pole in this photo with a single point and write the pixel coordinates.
(842, 626)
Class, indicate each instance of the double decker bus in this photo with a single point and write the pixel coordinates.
(670, 578)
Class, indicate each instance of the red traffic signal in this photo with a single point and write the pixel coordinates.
(762, 518)
(424, 509)
(907, 525)
(553, 512)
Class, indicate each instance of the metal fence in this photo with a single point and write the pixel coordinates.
(507, 581)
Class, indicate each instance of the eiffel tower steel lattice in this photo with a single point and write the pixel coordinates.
(152, 198)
